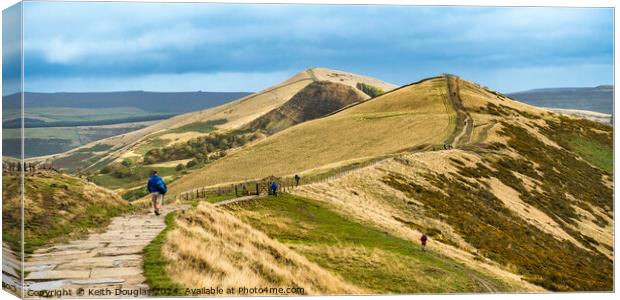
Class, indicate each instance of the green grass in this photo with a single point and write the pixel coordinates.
(201, 127)
(371, 91)
(141, 174)
(151, 143)
(155, 264)
(135, 194)
(313, 228)
(594, 152)
(591, 140)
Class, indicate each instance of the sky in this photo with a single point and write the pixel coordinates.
(83, 47)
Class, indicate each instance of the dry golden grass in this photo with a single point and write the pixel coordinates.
(528, 213)
(411, 116)
(173, 163)
(363, 196)
(486, 128)
(604, 236)
(212, 248)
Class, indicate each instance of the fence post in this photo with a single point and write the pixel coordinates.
(257, 189)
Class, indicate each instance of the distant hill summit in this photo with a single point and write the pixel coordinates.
(598, 99)
(318, 99)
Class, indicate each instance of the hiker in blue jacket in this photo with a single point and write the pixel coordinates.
(274, 188)
(158, 189)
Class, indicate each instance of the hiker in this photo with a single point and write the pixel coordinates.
(297, 178)
(158, 189)
(423, 240)
(274, 188)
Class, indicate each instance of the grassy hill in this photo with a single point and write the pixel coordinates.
(57, 207)
(418, 115)
(524, 201)
(529, 193)
(316, 100)
(236, 114)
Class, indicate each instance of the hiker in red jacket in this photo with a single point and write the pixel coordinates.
(423, 240)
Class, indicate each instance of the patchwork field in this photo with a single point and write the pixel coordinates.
(52, 140)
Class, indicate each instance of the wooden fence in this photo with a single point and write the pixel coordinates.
(261, 187)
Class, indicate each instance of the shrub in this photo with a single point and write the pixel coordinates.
(369, 90)
(191, 163)
(200, 148)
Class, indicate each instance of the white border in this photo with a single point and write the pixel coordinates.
(552, 3)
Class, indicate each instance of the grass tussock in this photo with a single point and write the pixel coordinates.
(212, 248)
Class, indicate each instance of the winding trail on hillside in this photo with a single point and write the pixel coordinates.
(464, 121)
(111, 259)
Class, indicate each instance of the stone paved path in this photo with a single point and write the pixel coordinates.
(11, 271)
(112, 259)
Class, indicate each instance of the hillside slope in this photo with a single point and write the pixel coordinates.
(519, 195)
(316, 100)
(230, 116)
(528, 193)
(210, 247)
(419, 115)
(56, 207)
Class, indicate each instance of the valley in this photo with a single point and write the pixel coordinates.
(59, 122)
